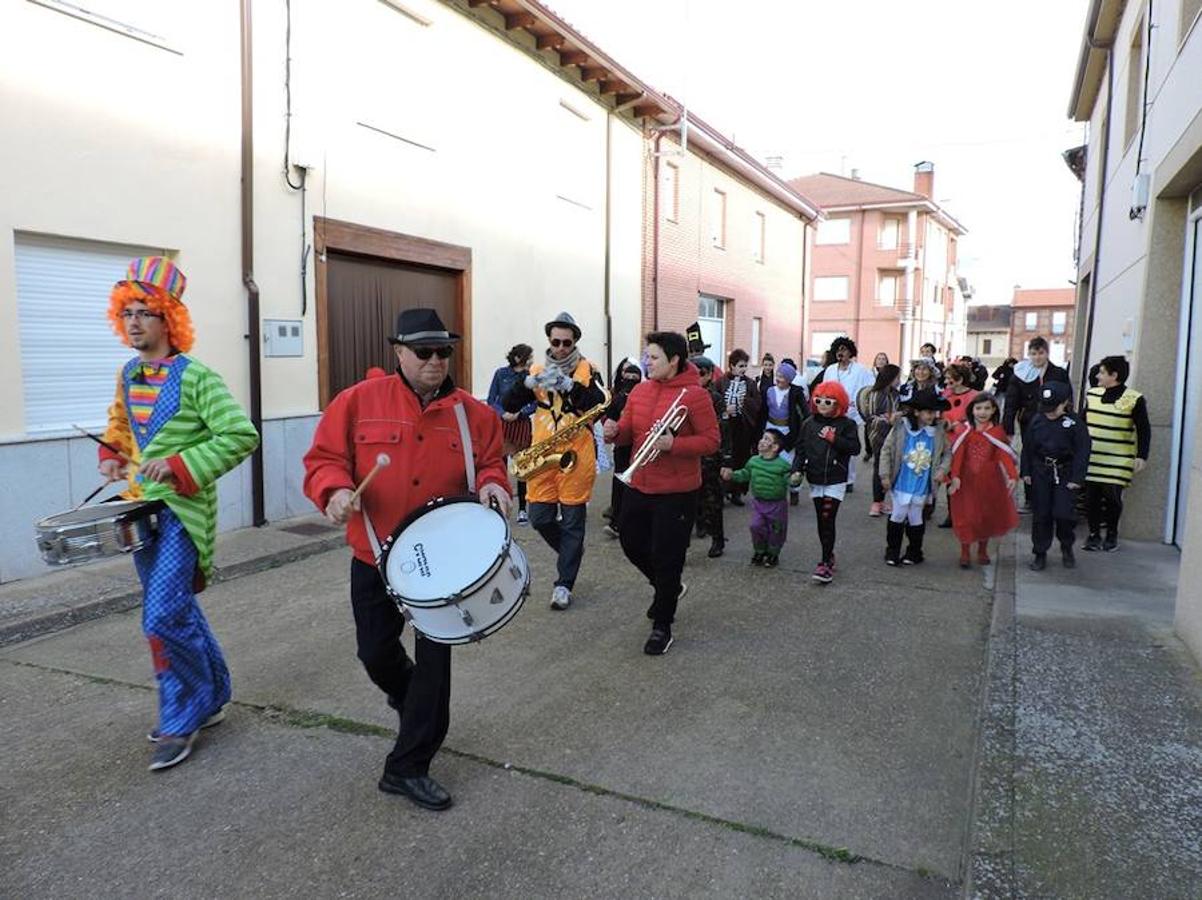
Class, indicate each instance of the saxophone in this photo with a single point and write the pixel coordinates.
(555, 452)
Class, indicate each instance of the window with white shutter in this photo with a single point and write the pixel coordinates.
(69, 354)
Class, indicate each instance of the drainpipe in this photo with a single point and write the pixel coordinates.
(1083, 368)
(859, 301)
(609, 322)
(907, 325)
(248, 266)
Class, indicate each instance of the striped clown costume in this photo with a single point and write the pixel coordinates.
(178, 410)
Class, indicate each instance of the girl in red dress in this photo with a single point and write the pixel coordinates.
(983, 476)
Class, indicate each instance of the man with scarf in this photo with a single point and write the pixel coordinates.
(1025, 388)
(563, 387)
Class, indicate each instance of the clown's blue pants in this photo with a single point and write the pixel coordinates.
(193, 679)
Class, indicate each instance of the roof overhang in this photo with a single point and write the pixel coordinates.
(940, 214)
(1101, 26)
(544, 35)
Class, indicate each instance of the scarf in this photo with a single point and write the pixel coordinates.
(565, 366)
(1026, 372)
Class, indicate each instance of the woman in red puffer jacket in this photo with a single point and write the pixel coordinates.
(659, 508)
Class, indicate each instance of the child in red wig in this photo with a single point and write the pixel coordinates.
(827, 443)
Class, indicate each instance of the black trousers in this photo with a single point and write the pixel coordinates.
(421, 692)
(655, 531)
(1053, 509)
(1103, 506)
(617, 489)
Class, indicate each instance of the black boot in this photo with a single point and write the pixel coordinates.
(913, 556)
(893, 541)
(1093, 542)
(1111, 543)
(716, 547)
(1067, 557)
(1039, 563)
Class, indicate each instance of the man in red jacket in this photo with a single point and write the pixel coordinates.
(412, 418)
(659, 508)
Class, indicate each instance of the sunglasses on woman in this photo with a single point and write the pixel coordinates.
(824, 401)
(424, 353)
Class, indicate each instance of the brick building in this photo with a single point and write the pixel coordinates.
(726, 243)
(1050, 313)
(884, 267)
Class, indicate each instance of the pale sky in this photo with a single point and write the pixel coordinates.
(979, 89)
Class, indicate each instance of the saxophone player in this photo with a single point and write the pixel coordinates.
(670, 420)
(563, 387)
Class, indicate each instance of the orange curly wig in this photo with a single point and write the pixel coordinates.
(175, 315)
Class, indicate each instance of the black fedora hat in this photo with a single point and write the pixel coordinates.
(421, 327)
(926, 399)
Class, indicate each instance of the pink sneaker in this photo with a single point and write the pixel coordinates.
(875, 510)
(823, 574)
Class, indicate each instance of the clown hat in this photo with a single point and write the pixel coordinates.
(156, 272)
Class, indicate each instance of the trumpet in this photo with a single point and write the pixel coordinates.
(671, 420)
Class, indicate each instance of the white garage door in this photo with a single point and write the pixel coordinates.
(69, 354)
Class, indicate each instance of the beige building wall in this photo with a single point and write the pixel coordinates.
(415, 120)
(1137, 267)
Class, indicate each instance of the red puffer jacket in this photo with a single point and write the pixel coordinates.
(679, 469)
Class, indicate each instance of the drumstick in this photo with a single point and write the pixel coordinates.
(381, 462)
(93, 494)
(102, 443)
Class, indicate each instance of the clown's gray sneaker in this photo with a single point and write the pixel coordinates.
(171, 751)
(216, 719)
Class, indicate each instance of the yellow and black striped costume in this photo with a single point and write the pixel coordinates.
(1112, 430)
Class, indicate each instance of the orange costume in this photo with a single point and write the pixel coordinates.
(556, 411)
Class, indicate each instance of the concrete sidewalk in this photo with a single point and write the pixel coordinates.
(75, 594)
(798, 741)
(1091, 774)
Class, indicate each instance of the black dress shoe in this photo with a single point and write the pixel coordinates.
(421, 789)
(1039, 563)
(716, 548)
(1069, 560)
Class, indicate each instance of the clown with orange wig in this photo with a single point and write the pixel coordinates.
(177, 430)
(828, 441)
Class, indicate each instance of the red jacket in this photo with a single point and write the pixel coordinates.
(679, 469)
(384, 415)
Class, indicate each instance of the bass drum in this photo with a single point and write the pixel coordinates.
(455, 570)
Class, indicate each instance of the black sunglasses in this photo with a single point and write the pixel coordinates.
(562, 342)
(424, 353)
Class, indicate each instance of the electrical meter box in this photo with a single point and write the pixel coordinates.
(283, 337)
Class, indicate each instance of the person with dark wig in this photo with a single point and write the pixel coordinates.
(741, 417)
(878, 406)
(853, 377)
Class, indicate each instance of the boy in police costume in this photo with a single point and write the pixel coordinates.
(1054, 461)
(1121, 435)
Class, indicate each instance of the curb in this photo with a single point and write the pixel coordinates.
(25, 628)
(988, 866)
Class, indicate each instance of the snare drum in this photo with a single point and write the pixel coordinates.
(105, 529)
(455, 570)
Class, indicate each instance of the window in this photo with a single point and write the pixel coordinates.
(718, 219)
(820, 341)
(709, 307)
(936, 293)
(759, 235)
(1059, 322)
(1031, 321)
(1135, 84)
(671, 192)
(887, 239)
(986, 346)
(757, 328)
(830, 287)
(143, 20)
(886, 291)
(62, 293)
(834, 231)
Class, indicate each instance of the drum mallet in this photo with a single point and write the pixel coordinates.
(105, 444)
(382, 461)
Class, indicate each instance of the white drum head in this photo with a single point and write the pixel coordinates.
(444, 551)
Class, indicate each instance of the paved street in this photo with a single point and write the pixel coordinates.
(796, 741)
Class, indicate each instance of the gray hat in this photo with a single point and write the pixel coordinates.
(563, 320)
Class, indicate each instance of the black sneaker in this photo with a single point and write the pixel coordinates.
(216, 719)
(1092, 543)
(717, 548)
(771, 561)
(757, 559)
(658, 643)
(1067, 557)
(1111, 543)
(1039, 563)
(171, 751)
